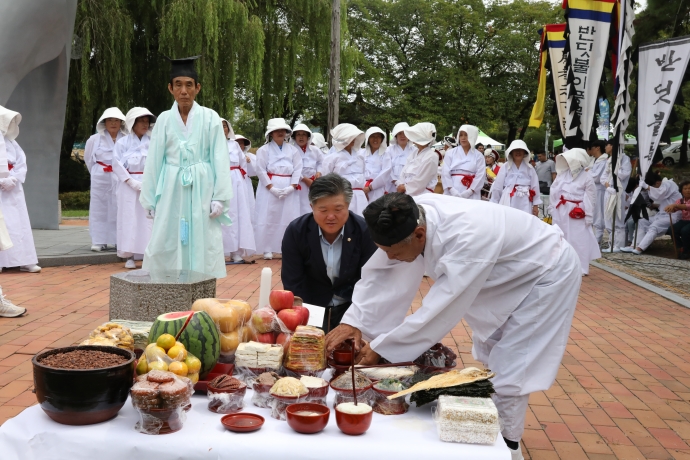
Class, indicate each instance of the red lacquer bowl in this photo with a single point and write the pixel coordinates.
(307, 424)
(353, 424)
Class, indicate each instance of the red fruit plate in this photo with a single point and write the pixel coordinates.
(219, 369)
(243, 422)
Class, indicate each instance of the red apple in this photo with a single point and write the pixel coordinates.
(266, 337)
(290, 317)
(283, 339)
(304, 313)
(281, 300)
(262, 320)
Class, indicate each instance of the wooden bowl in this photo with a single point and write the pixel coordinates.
(307, 424)
(353, 424)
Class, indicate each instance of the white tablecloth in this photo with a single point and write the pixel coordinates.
(33, 436)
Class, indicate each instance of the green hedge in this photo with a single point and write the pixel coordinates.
(75, 200)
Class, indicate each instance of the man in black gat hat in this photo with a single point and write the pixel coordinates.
(186, 186)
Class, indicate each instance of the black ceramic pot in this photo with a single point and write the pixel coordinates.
(83, 397)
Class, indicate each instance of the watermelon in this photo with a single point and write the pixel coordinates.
(200, 335)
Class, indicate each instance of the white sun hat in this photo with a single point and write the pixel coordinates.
(275, 124)
(9, 123)
(367, 135)
(231, 132)
(472, 134)
(136, 112)
(574, 159)
(517, 144)
(301, 127)
(319, 141)
(422, 133)
(239, 137)
(344, 134)
(112, 112)
(397, 129)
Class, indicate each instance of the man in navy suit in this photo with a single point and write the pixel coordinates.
(324, 251)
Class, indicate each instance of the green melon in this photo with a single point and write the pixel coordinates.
(200, 336)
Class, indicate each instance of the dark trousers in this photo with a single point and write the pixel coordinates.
(681, 229)
(333, 316)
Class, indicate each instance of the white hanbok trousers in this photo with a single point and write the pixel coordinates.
(648, 230)
(622, 203)
(273, 215)
(598, 213)
(541, 332)
(239, 237)
(16, 215)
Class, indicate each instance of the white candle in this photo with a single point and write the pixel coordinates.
(265, 287)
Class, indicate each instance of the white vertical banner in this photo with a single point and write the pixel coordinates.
(661, 69)
(589, 22)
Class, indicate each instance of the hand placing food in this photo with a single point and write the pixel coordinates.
(342, 333)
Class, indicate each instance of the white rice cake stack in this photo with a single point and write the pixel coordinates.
(468, 420)
(256, 354)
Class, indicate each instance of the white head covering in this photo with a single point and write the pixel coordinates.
(231, 132)
(9, 123)
(112, 112)
(517, 144)
(275, 124)
(375, 130)
(421, 133)
(472, 134)
(402, 126)
(344, 134)
(319, 141)
(301, 127)
(573, 159)
(136, 112)
(239, 137)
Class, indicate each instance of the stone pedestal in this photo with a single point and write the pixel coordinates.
(138, 295)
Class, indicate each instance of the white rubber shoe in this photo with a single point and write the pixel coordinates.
(628, 249)
(98, 247)
(130, 263)
(636, 251)
(516, 454)
(8, 309)
(237, 258)
(30, 268)
(268, 255)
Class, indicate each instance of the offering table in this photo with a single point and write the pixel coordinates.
(32, 435)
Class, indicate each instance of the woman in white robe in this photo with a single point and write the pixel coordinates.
(377, 162)
(129, 158)
(618, 200)
(348, 162)
(312, 158)
(98, 156)
(571, 204)
(595, 169)
(464, 167)
(516, 289)
(238, 238)
(420, 174)
(245, 144)
(12, 200)
(279, 167)
(663, 192)
(399, 150)
(517, 184)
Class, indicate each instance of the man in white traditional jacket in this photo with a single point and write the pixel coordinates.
(129, 159)
(516, 289)
(663, 192)
(616, 202)
(596, 151)
(399, 150)
(420, 174)
(187, 185)
(12, 202)
(348, 162)
(98, 156)
(464, 167)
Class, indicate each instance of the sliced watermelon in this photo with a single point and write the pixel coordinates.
(196, 330)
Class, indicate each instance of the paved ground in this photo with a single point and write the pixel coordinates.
(69, 245)
(623, 390)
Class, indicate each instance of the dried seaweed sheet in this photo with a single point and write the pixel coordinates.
(479, 389)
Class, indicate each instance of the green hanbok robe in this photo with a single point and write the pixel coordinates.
(187, 167)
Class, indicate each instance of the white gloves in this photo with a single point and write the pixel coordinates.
(151, 214)
(216, 209)
(466, 194)
(452, 191)
(8, 183)
(286, 191)
(135, 184)
(276, 192)
(643, 185)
